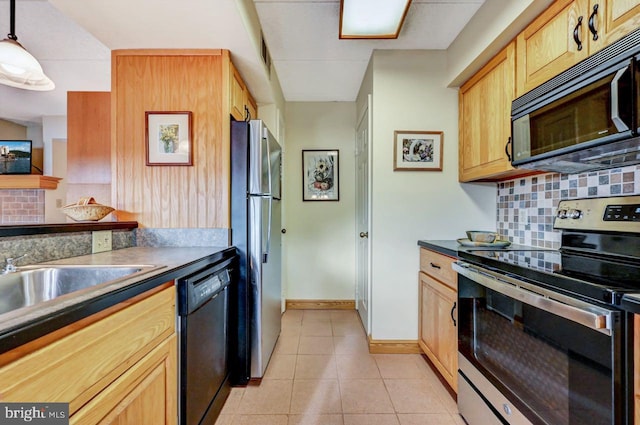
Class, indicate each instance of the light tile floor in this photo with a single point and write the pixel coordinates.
(321, 373)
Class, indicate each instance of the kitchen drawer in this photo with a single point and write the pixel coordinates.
(438, 266)
(78, 366)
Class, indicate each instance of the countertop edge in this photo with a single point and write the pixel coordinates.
(446, 247)
(43, 229)
(14, 336)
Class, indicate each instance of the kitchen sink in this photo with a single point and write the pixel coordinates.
(31, 285)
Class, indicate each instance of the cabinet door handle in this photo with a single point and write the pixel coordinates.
(506, 149)
(592, 22)
(576, 33)
(452, 310)
(435, 266)
(247, 114)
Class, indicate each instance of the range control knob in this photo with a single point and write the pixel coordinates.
(562, 214)
(575, 214)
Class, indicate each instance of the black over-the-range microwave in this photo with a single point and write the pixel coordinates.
(584, 119)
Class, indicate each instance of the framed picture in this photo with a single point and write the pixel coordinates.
(417, 150)
(320, 175)
(15, 156)
(168, 136)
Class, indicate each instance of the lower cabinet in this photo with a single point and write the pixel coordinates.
(116, 367)
(438, 334)
(439, 337)
(146, 393)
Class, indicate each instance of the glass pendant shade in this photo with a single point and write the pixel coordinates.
(18, 68)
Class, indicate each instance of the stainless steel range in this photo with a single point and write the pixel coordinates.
(545, 336)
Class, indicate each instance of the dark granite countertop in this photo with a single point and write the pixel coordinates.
(20, 326)
(452, 247)
(47, 228)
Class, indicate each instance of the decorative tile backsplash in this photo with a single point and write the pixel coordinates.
(526, 207)
(21, 206)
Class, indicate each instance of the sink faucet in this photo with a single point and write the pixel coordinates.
(9, 266)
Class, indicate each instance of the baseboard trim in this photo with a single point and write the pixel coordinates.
(320, 304)
(393, 346)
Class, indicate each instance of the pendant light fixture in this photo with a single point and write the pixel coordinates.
(18, 68)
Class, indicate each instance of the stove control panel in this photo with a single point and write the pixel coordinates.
(622, 213)
(615, 214)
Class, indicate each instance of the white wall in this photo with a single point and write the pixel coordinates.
(410, 93)
(319, 246)
(54, 128)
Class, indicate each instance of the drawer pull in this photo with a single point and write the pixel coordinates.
(435, 266)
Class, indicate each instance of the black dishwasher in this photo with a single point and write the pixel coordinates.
(203, 315)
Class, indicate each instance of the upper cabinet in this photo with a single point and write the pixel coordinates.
(568, 32)
(485, 119)
(613, 20)
(242, 105)
(553, 42)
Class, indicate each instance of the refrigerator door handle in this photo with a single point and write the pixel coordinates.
(265, 255)
(265, 137)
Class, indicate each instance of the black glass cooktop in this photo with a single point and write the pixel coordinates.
(593, 277)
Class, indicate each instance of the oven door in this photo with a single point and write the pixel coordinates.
(547, 357)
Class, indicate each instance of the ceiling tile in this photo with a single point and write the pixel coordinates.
(312, 81)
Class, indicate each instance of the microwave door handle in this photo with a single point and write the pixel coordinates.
(615, 101)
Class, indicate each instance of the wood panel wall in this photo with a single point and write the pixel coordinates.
(171, 80)
(89, 146)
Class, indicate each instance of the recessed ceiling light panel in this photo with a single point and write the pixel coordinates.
(372, 18)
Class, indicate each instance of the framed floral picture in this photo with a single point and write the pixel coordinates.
(417, 150)
(320, 175)
(168, 138)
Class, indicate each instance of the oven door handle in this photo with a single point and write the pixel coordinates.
(597, 318)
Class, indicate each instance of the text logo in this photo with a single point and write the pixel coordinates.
(34, 413)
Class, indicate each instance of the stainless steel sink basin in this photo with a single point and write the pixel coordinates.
(35, 284)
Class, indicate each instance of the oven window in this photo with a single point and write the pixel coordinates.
(554, 370)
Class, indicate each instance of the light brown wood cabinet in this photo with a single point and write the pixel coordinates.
(118, 368)
(563, 35)
(242, 104)
(438, 292)
(485, 120)
(544, 49)
(616, 18)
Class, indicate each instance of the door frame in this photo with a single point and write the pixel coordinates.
(366, 114)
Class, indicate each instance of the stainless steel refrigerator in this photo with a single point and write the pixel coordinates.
(256, 159)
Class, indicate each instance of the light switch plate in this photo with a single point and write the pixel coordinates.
(101, 241)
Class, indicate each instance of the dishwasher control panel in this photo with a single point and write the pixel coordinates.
(198, 288)
(206, 288)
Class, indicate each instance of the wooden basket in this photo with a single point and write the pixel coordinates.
(87, 209)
